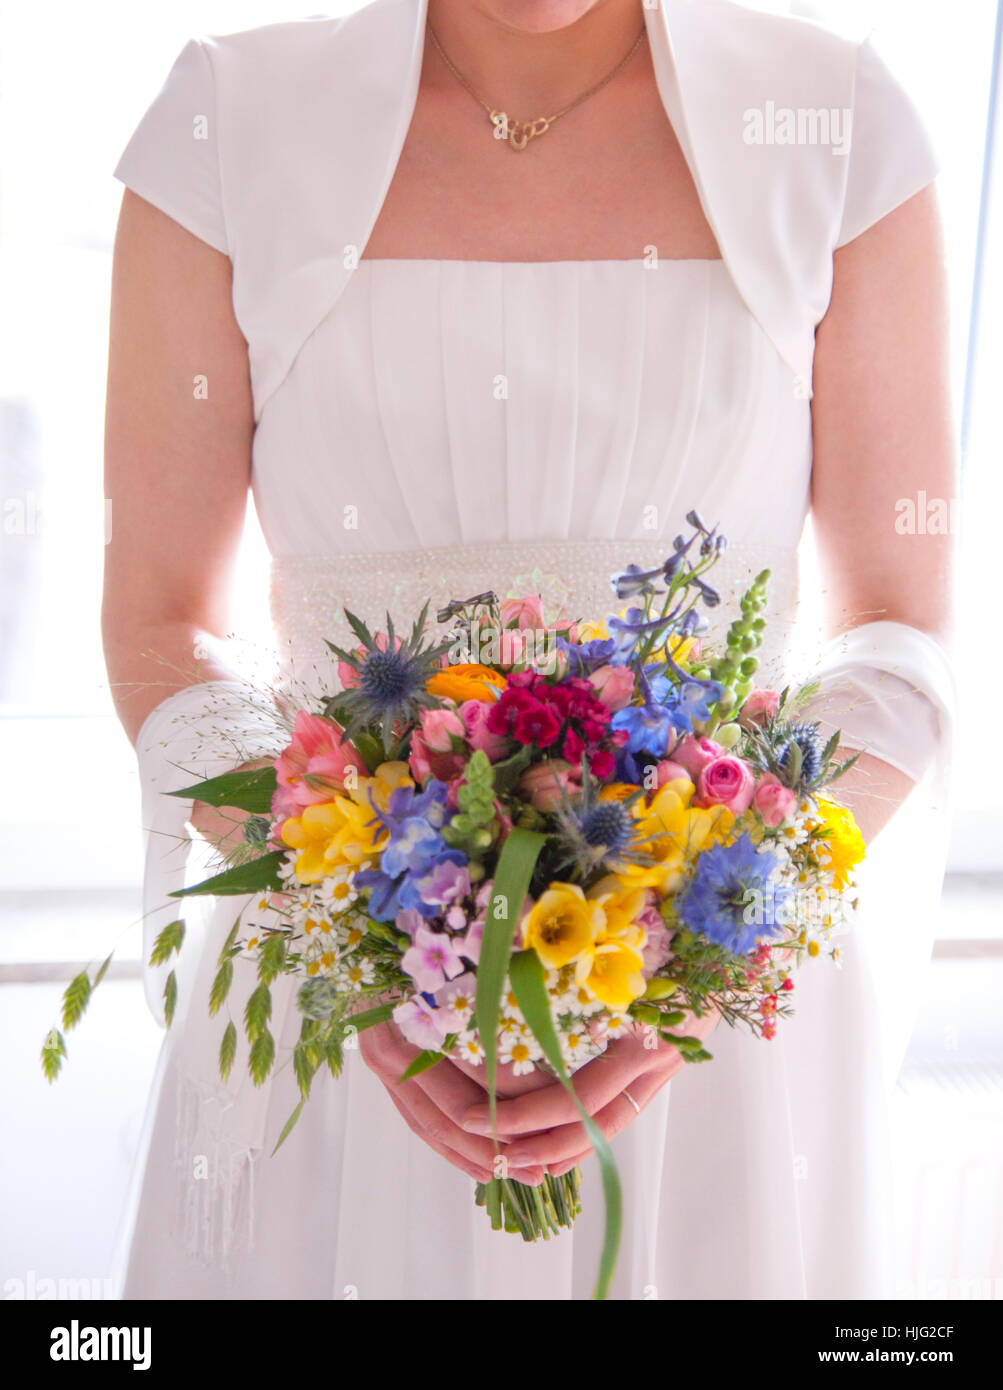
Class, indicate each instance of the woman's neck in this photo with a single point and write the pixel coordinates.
(529, 56)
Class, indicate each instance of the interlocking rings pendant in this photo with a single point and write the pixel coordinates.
(517, 133)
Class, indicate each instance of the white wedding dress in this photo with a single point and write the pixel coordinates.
(443, 428)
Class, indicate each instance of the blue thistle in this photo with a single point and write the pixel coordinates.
(391, 686)
(803, 772)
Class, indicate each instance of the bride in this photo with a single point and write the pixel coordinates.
(485, 293)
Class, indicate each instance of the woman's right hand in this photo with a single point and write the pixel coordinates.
(223, 826)
(433, 1103)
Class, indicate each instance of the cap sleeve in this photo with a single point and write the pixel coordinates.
(891, 154)
(172, 159)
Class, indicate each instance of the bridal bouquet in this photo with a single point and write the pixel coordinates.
(520, 839)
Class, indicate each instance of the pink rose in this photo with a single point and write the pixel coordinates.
(760, 704)
(474, 714)
(695, 753)
(541, 784)
(668, 771)
(432, 752)
(726, 782)
(522, 612)
(614, 685)
(439, 727)
(774, 802)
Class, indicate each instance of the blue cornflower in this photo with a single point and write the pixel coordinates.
(731, 899)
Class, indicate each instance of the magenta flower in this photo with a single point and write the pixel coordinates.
(432, 960)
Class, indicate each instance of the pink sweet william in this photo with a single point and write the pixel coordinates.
(726, 782)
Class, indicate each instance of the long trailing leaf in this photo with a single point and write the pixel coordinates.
(530, 989)
(250, 790)
(511, 884)
(256, 876)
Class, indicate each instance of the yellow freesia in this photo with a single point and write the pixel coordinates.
(343, 832)
(621, 905)
(611, 971)
(561, 924)
(672, 833)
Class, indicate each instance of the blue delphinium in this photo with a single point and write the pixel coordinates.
(415, 847)
(731, 899)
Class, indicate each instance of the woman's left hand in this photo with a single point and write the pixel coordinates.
(543, 1127)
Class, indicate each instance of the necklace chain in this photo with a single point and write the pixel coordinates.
(519, 133)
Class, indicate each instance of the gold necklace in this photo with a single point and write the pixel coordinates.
(519, 133)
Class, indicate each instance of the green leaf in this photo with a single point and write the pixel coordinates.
(509, 770)
(287, 1128)
(227, 1050)
(170, 997)
(262, 1057)
(249, 790)
(423, 1062)
(168, 941)
(76, 997)
(368, 1018)
(220, 987)
(529, 986)
(511, 884)
(53, 1052)
(257, 1012)
(256, 876)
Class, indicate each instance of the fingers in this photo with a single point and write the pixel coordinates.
(432, 1102)
(595, 1085)
(561, 1148)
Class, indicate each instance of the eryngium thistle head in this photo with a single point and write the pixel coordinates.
(806, 738)
(594, 834)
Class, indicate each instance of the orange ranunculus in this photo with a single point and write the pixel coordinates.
(466, 681)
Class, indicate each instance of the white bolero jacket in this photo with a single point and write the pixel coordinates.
(277, 146)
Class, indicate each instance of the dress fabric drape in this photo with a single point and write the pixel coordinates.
(440, 428)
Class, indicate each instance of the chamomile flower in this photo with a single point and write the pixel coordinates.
(614, 1026)
(468, 1047)
(516, 1051)
(356, 973)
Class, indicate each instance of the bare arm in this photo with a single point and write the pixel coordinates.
(882, 427)
(177, 467)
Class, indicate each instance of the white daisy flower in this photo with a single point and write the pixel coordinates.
(468, 1046)
(517, 1053)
